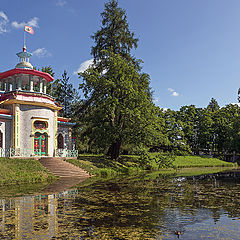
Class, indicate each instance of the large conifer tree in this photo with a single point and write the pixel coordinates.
(118, 106)
(114, 36)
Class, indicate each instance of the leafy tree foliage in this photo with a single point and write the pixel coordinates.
(114, 36)
(205, 131)
(65, 94)
(188, 116)
(118, 107)
(49, 70)
(62, 90)
(210, 129)
(226, 128)
(213, 105)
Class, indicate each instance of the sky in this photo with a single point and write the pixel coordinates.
(190, 48)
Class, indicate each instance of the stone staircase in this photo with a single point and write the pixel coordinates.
(62, 168)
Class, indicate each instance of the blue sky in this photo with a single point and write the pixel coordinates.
(190, 48)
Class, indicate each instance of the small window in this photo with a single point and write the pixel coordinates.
(40, 125)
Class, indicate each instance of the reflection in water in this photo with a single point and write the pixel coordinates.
(32, 217)
(203, 207)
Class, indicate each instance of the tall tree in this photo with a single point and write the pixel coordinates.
(120, 108)
(226, 128)
(205, 132)
(213, 105)
(65, 94)
(114, 36)
(188, 116)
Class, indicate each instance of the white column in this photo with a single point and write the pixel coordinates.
(8, 85)
(40, 85)
(5, 86)
(31, 83)
(55, 132)
(45, 87)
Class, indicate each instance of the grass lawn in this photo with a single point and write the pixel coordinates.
(197, 161)
(15, 171)
(101, 166)
(185, 172)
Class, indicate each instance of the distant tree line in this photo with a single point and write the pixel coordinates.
(210, 130)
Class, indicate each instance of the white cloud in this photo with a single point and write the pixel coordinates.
(42, 52)
(173, 92)
(84, 66)
(3, 22)
(61, 3)
(156, 100)
(32, 23)
(238, 104)
(3, 15)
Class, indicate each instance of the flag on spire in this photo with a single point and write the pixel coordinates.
(29, 29)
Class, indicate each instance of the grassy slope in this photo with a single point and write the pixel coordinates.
(184, 172)
(98, 165)
(196, 161)
(22, 171)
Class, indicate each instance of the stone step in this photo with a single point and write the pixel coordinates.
(63, 169)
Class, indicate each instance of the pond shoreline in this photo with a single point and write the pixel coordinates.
(99, 165)
(22, 171)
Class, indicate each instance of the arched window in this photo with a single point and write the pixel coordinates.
(60, 141)
(40, 124)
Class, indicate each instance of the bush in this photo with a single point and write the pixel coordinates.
(162, 160)
(165, 160)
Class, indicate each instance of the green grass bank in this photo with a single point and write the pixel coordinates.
(18, 171)
(197, 161)
(102, 166)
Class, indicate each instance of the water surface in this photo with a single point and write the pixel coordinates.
(137, 207)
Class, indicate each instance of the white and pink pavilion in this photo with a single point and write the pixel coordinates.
(29, 121)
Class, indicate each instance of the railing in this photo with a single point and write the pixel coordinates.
(66, 153)
(7, 152)
(22, 152)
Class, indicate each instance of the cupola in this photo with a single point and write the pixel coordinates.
(24, 59)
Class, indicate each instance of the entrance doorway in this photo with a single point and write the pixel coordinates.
(40, 144)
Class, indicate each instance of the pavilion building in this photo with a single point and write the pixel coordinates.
(29, 121)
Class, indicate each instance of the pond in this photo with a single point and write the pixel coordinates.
(129, 207)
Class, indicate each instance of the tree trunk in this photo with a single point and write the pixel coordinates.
(114, 150)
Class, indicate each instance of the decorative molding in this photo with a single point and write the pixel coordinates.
(48, 105)
(15, 71)
(17, 126)
(40, 118)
